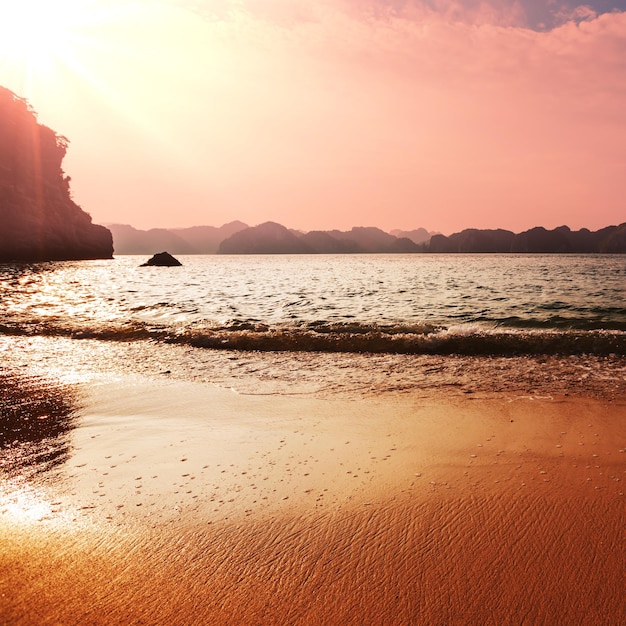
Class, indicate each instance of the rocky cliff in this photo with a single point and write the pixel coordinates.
(39, 220)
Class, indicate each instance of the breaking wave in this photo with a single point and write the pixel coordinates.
(346, 337)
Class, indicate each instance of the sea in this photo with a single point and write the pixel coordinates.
(325, 323)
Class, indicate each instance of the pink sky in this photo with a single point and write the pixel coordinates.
(335, 113)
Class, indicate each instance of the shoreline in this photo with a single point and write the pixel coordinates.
(247, 509)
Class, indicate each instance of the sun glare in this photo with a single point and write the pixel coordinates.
(36, 35)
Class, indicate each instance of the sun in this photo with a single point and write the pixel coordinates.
(37, 35)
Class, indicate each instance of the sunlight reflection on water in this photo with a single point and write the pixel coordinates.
(487, 290)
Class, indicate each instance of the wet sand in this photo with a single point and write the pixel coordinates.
(184, 503)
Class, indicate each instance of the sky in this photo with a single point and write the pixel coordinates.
(320, 114)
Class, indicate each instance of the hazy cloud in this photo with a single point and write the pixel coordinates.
(533, 14)
(334, 113)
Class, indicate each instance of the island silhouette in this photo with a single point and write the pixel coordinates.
(274, 238)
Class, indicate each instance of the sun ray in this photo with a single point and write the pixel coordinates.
(33, 34)
(48, 46)
(39, 38)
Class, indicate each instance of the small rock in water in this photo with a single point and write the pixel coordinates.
(162, 259)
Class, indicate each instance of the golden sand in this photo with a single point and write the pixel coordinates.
(187, 504)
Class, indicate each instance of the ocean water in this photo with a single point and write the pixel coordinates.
(350, 324)
(411, 304)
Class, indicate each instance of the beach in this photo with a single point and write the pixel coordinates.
(182, 501)
(312, 313)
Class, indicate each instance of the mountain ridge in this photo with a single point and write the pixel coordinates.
(273, 238)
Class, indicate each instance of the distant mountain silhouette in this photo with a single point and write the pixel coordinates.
(129, 240)
(39, 220)
(272, 238)
(372, 240)
(563, 240)
(194, 240)
(613, 239)
(419, 235)
(267, 238)
(473, 240)
(324, 242)
(207, 239)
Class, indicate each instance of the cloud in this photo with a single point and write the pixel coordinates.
(576, 14)
(444, 106)
(533, 14)
(333, 113)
